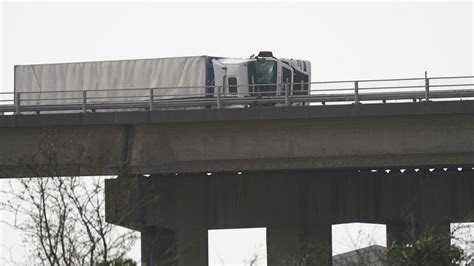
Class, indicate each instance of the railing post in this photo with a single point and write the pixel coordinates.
(356, 92)
(151, 99)
(218, 97)
(17, 103)
(287, 95)
(84, 101)
(253, 86)
(427, 87)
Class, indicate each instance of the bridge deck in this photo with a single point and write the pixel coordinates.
(254, 139)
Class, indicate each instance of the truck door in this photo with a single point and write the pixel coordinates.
(231, 76)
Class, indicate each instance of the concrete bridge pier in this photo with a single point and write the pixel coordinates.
(192, 243)
(293, 246)
(174, 215)
(164, 247)
(158, 246)
(175, 212)
(285, 246)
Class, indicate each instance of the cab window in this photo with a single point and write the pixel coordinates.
(232, 81)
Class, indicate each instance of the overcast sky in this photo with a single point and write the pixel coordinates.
(343, 41)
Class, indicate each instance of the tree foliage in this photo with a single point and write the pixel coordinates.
(427, 250)
(118, 262)
(63, 221)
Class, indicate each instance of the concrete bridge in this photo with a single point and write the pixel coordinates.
(293, 170)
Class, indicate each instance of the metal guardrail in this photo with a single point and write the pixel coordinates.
(334, 92)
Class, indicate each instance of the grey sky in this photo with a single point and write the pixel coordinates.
(343, 40)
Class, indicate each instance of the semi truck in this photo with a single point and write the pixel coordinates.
(174, 78)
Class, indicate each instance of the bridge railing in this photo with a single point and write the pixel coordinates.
(234, 96)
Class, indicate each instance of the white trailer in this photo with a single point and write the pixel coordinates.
(111, 80)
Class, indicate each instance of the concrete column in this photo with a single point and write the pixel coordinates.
(317, 242)
(283, 246)
(158, 246)
(192, 220)
(192, 246)
(288, 246)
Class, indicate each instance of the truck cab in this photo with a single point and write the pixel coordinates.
(261, 76)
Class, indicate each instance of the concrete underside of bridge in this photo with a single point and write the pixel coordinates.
(174, 213)
(252, 139)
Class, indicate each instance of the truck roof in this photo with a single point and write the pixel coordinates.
(117, 60)
(236, 61)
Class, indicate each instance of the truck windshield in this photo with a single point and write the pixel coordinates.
(262, 72)
(265, 72)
